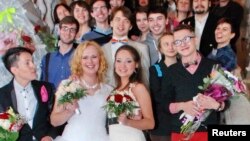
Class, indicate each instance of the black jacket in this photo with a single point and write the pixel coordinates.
(41, 123)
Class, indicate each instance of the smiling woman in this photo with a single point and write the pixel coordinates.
(128, 76)
(88, 66)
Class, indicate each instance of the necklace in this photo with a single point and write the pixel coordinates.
(89, 86)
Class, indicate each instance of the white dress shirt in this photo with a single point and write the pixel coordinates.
(199, 27)
(26, 101)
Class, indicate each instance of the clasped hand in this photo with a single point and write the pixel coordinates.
(199, 104)
(123, 118)
(70, 107)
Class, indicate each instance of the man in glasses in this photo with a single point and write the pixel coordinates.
(55, 65)
(181, 82)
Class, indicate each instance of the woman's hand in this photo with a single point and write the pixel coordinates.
(207, 102)
(123, 119)
(47, 138)
(190, 107)
(70, 107)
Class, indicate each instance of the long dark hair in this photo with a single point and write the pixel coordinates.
(56, 19)
(137, 75)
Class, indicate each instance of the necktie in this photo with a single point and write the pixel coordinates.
(186, 65)
(124, 41)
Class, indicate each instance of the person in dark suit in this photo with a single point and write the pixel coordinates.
(30, 98)
(204, 23)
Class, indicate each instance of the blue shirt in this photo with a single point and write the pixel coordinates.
(59, 67)
(225, 56)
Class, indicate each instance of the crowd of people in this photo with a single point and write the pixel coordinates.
(157, 54)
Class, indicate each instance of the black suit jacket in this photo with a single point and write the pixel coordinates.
(207, 42)
(41, 125)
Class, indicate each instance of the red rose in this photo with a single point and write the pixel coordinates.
(26, 38)
(118, 98)
(37, 28)
(4, 116)
(128, 98)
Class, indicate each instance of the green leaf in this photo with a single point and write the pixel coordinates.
(69, 97)
(7, 135)
(200, 87)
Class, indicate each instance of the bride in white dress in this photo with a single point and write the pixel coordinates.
(88, 66)
(128, 74)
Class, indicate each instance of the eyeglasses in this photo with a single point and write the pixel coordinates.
(101, 8)
(67, 29)
(185, 40)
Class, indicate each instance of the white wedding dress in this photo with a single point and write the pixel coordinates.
(119, 132)
(90, 124)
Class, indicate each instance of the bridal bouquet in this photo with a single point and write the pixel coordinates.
(118, 103)
(70, 90)
(10, 125)
(220, 85)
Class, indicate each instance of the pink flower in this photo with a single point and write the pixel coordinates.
(218, 92)
(44, 94)
(239, 86)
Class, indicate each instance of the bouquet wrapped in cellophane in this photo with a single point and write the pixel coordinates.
(70, 90)
(10, 125)
(16, 29)
(220, 85)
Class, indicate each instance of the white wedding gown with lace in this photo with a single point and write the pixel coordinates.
(119, 132)
(90, 124)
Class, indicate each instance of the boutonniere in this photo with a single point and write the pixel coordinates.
(44, 94)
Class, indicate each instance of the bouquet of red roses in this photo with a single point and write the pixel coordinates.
(118, 103)
(10, 125)
(220, 85)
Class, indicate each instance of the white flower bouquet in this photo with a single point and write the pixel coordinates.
(70, 90)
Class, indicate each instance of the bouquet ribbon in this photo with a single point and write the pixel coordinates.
(8, 12)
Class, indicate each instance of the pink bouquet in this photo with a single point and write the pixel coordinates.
(220, 85)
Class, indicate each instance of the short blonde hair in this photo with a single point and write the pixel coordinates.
(76, 67)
